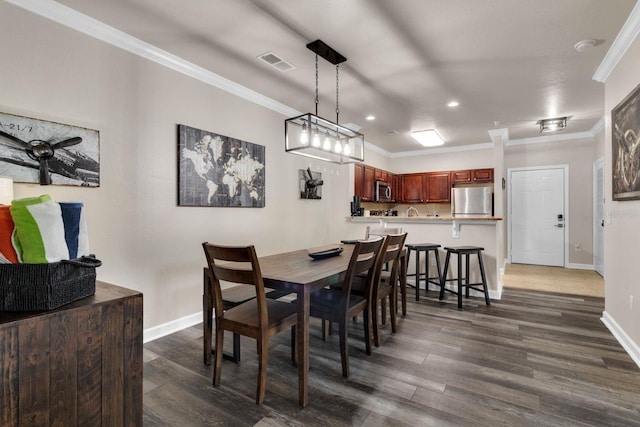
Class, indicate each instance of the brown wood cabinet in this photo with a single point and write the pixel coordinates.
(80, 364)
(395, 187)
(472, 176)
(482, 175)
(358, 180)
(368, 184)
(381, 175)
(438, 187)
(412, 188)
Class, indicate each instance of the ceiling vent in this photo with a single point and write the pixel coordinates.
(277, 62)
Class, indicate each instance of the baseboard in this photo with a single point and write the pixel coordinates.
(171, 327)
(580, 266)
(625, 341)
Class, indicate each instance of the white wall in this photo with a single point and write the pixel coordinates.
(579, 154)
(622, 232)
(145, 241)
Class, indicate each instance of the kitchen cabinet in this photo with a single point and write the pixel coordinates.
(395, 187)
(368, 184)
(437, 187)
(469, 176)
(482, 175)
(358, 180)
(412, 188)
(381, 175)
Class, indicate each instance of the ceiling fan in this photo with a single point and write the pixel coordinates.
(42, 151)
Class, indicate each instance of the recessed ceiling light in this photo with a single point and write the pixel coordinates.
(453, 104)
(370, 117)
(428, 138)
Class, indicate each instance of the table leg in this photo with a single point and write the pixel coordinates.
(302, 329)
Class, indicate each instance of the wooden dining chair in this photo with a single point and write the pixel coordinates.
(386, 284)
(259, 318)
(339, 304)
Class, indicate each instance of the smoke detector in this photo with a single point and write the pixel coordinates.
(583, 45)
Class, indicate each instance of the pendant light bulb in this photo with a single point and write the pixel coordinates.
(316, 139)
(304, 135)
(327, 143)
(347, 149)
(338, 147)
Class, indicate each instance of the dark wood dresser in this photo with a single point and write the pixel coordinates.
(80, 364)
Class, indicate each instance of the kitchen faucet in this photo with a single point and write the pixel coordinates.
(411, 210)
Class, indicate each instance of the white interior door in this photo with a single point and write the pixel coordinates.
(598, 217)
(537, 216)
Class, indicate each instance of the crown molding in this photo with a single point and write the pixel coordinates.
(497, 133)
(456, 149)
(623, 40)
(85, 24)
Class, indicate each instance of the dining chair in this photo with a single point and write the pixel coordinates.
(339, 304)
(386, 284)
(259, 318)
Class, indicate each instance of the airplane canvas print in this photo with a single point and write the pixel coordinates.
(44, 152)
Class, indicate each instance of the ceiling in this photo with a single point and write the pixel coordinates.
(508, 63)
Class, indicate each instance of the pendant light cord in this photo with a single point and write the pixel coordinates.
(337, 93)
(317, 84)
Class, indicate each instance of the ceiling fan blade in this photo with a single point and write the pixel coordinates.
(15, 140)
(45, 177)
(67, 142)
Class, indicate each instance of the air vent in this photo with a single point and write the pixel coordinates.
(392, 132)
(276, 62)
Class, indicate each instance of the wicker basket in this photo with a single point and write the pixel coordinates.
(40, 287)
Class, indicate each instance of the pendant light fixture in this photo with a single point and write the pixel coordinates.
(312, 136)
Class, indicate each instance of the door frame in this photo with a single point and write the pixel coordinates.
(598, 164)
(565, 171)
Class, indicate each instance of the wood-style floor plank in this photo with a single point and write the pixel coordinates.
(534, 358)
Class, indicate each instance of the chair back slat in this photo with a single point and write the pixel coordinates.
(363, 261)
(239, 265)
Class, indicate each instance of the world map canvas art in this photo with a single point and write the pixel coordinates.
(217, 170)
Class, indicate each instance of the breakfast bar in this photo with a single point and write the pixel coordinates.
(446, 231)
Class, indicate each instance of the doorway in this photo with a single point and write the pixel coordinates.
(598, 216)
(538, 215)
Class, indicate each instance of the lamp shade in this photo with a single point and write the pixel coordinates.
(6, 190)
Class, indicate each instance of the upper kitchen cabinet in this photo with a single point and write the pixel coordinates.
(363, 182)
(381, 175)
(412, 188)
(471, 176)
(438, 187)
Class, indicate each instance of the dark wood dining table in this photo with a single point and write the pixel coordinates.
(295, 271)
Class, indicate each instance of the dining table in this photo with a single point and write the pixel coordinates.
(297, 272)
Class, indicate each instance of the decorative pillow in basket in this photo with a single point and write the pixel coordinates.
(46, 234)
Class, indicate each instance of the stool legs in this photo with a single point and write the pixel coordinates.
(484, 280)
(464, 281)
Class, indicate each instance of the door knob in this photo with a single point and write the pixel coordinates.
(559, 225)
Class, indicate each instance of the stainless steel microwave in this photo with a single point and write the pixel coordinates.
(383, 191)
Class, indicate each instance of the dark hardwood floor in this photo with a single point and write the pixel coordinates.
(532, 359)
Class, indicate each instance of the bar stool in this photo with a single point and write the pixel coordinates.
(426, 248)
(463, 253)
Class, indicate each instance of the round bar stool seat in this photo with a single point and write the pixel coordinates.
(463, 253)
(418, 248)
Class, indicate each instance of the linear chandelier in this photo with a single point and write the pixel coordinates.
(313, 136)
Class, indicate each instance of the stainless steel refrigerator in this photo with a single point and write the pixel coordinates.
(472, 201)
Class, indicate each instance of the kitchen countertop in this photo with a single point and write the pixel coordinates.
(426, 219)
